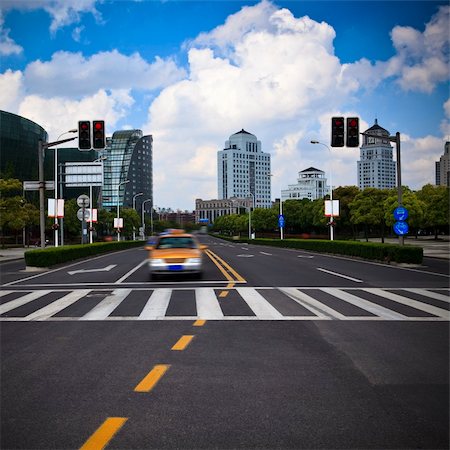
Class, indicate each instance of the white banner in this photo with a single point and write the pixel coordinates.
(59, 208)
(331, 208)
(118, 222)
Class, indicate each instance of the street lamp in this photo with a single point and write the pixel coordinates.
(118, 189)
(151, 216)
(91, 202)
(331, 193)
(134, 207)
(250, 216)
(74, 130)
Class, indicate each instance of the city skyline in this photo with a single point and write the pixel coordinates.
(193, 73)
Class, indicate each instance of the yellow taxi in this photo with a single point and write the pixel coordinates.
(175, 252)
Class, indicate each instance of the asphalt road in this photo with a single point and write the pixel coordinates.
(272, 349)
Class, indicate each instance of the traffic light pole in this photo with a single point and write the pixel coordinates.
(396, 139)
(42, 146)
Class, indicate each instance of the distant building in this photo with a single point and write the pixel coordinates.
(244, 170)
(129, 156)
(443, 168)
(311, 184)
(212, 209)
(376, 167)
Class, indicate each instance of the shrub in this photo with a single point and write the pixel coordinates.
(48, 257)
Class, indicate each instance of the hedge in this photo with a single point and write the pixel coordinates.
(48, 257)
(367, 250)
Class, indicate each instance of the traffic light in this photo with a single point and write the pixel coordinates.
(84, 135)
(99, 134)
(352, 132)
(337, 131)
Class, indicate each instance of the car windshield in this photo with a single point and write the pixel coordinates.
(176, 242)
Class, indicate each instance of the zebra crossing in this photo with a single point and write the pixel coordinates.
(237, 303)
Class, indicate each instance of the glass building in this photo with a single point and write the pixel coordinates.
(19, 140)
(129, 157)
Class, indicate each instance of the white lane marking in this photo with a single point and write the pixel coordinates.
(131, 272)
(2, 293)
(340, 275)
(104, 269)
(107, 305)
(207, 305)
(439, 312)
(305, 256)
(316, 307)
(156, 305)
(373, 308)
(245, 256)
(436, 296)
(13, 304)
(264, 253)
(58, 305)
(258, 304)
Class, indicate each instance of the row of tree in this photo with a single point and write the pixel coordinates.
(19, 219)
(368, 212)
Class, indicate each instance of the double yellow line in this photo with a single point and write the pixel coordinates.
(229, 273)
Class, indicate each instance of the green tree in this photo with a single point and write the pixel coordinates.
(264, 219)
(345, 195)
(436, 212)
(369, 209)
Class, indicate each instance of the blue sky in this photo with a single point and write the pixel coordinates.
(191, 73)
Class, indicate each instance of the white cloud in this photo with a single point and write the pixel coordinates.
(11, 90)
(57, 114)
(7, 45)
(104, 70)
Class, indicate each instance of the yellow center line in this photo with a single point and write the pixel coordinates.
(230, 285)
(183, 342)
(152, 378)
(199, 323)
(223, 294)
(104, 433)
(225, 268)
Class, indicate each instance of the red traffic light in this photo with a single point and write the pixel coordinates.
(337, 131)
(352, 132)
(99, 134)
(84, 135)
(98, 125)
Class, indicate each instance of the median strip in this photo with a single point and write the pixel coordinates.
(229, 273)
(150, 381)
(104, 433)
(183, 342)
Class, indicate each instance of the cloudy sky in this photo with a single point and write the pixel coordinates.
(191, 73)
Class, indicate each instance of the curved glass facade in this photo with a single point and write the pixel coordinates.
(19, 138)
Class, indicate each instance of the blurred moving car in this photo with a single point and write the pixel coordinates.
(175, 252)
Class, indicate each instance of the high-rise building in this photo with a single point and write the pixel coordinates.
(311, 184)
(244, 170)
(129, 156)
(376, 167)
(443, 168)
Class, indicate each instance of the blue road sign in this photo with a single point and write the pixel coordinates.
(281, 221)
(401, 228)
(401, 213)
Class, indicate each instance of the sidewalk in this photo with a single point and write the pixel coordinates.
(431, 248)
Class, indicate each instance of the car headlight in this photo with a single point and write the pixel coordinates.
(156, 262)
(194, 261)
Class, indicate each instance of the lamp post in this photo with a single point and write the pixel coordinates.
(134, 207)
(331, 193)
(281, 215)
(151, 216)
(250, 216)
(118, 201)
(56, 226)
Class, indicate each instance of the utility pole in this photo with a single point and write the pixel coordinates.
(42, 146)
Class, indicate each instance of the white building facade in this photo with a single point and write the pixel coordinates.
(244, 170)
(311, 184)
(376, 167)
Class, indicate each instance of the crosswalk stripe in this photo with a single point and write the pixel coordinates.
(13, 304)
(260, 306)
(435, 295)
(316, 307)
(156, 305)
(3, 293)
(58, 305)
(107, 305)
(365, 304)
(207, 305)
(439, 312)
